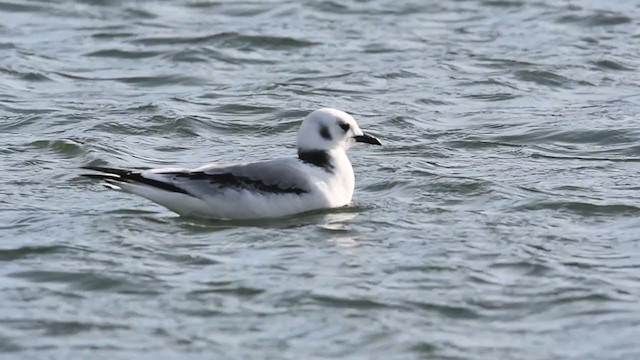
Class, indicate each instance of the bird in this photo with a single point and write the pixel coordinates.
(320, 177)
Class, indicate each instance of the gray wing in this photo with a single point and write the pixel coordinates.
(281, 176)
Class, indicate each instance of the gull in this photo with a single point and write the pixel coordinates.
(320, 177)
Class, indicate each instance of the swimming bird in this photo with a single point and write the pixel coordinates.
(320, 177)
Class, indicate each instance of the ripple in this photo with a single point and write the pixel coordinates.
(184, 126)
(15, 7)
(191, 259)
(493, 96)
(28, 251)
(230, 39)
(586, 158)
(450, 311)
(460, 186)
(145, 81)
(159, 80)
(237, 9)
(425, 348)
(86, 281)
(226, 288)
(192, 56)
(138, 13)
(581, 208)
(429, 101)
(25, 118)
(568, 296)
(27, 76)
(62, 327)
(489, 83)
(602, 19)
(611, 65)
(521, 268)
(573, 136)
(331, 7)
(346, 302)
(503, 3)
(241, 109)
(112, 35)
(387, 185)
(547, 78)
(7, 345)
(65, 147)
(123, 54)
(400, 74)
(206, 54)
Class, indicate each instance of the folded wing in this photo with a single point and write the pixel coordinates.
(283, 176)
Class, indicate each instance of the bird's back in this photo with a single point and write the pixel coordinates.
(272, 188)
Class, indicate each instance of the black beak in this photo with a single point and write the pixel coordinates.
(366, 138)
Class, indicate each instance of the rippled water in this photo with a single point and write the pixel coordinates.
(499, 221)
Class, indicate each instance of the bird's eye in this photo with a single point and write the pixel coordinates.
(345, 127)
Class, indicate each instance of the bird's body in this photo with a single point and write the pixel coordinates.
(320, 177)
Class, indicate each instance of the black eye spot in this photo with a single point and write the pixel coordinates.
(345, 127)
(324, 132)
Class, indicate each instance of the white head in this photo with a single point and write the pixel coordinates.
(327, 129)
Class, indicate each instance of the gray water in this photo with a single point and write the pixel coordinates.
(499, 221)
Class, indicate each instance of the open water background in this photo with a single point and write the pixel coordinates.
(499, 221)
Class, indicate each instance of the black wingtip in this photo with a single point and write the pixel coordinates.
(108, 170)
(114, 176)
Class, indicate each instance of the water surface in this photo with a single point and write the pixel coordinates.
(499, 221)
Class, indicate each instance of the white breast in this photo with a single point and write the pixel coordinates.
(340, 184)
